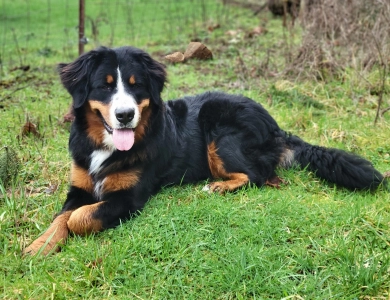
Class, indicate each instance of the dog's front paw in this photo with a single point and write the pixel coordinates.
(41, 246)
(50, 241)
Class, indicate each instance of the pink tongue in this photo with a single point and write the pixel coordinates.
(123, 139)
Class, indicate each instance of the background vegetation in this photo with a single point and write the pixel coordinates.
(307, 239)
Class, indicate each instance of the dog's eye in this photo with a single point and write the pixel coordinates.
(106, 88)
(136, 85)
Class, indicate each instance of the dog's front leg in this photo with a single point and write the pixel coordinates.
(80, 194)
(52, 237)
(115, 207)
(122, 194)
(58, 231)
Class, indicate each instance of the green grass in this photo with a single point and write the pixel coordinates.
(40, 32)
(307, 239)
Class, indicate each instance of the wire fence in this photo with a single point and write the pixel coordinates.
(33, 32)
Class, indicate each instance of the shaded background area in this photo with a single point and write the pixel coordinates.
(34, 31)
(327, 35)
(320, 40)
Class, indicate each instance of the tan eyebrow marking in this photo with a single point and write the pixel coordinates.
(110, 79)
(132, 79)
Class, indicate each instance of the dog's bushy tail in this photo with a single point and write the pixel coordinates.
(336, 166)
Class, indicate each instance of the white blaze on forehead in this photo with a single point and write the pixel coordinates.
(122, 99)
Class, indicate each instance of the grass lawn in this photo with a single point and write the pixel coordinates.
(306, 240)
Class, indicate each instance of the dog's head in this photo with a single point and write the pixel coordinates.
(117, 89)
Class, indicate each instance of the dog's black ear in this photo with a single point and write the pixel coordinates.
(157, 77)
(75, 76)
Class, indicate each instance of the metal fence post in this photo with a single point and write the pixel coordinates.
(81, 26)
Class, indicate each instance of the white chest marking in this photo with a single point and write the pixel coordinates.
(97, 159)
(98, 189)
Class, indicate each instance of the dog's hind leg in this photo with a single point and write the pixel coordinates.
(244, 143)
(233, 180)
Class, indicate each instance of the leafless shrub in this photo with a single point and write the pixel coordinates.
(284, 7)
(341, 34)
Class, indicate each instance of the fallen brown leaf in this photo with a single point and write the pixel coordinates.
(95, 263)
(211, 28)
(30, 128)
(275, 182)
(257, 31)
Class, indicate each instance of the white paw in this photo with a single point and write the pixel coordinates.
(206, 188)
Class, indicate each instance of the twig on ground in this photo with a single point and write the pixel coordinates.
(13, 92)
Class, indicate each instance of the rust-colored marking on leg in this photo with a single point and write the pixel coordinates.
(80, 178)
(120, 181)
(82, 221)
(53, 236)
(235, 180)
(215, 163)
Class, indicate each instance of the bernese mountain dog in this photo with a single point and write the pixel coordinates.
(126, 143)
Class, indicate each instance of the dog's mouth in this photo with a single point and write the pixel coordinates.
(123, 138)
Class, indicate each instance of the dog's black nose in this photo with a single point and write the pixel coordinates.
(124, 115)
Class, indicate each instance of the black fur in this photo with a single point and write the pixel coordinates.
(174, 147)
